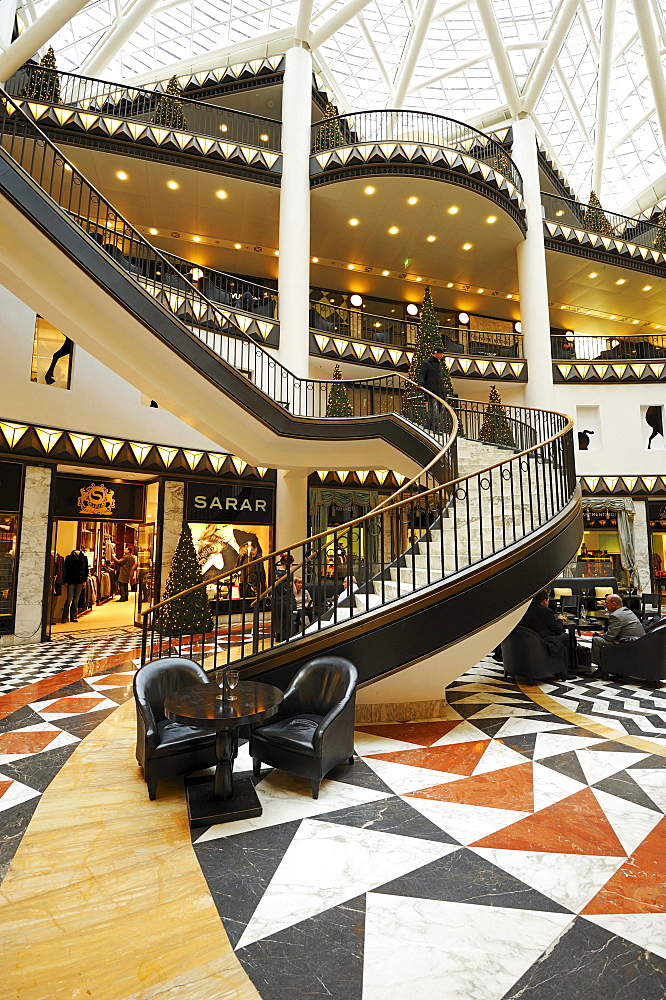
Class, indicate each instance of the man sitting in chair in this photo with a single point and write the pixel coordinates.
(543, 620)
(623, 626)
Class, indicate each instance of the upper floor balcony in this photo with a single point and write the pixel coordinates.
(582, 358)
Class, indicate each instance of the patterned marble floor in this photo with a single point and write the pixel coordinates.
(500, 853)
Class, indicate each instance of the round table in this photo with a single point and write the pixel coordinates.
(222, 799)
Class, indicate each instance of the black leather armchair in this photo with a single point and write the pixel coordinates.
(644, 658)
(165, 749)
(313, 731)
(525, 653)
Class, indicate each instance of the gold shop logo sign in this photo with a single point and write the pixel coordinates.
(96, 500)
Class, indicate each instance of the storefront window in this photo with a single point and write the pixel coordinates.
(599, 554)
(51, 356)
(657, 522)
(11, 478)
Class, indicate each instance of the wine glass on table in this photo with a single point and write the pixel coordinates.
(232, 680)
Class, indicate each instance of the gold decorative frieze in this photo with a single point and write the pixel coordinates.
(609, 371)
(633, 485)
(582, 237)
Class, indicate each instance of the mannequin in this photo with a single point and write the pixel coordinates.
(75, 574)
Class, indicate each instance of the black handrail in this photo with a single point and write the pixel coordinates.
(595, 219)
(581, 347)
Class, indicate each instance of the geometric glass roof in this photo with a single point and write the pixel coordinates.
(587, 71)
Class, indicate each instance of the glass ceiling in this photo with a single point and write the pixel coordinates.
(474, 60)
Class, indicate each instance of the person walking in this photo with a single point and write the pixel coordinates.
(432, 379)
(126, 567)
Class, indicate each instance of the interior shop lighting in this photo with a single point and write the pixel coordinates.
(412, 309)
(356, 300)
(463, 319)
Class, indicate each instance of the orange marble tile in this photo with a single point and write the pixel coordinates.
(575, 825)
(39, 689)
(4, 786)
(639, 886)
(510, 788)
(21, 742)
(423, 733)
(115, 680)
(74, 706)
(458, 758)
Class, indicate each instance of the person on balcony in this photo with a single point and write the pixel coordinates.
(623, 626)
(432, 379)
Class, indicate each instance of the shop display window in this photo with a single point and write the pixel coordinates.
(599, 554)
(51, 356)
(223, 547)
(657, 526)
(9, 525)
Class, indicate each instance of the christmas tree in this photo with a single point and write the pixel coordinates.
(415, 403)
(501, 162)
(190, 613)
(44, 83)
(660, 238)
(495, 428)
(338, 399)
(594, 218)
(169, 111)
(329, 134)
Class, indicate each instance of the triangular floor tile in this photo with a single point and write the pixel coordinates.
(360, 775)
(464, 732)
(647, 931)
(554, 744)
(418, 733)
(570, 879)
(551, 786)
(631, 822)
(598, 764)
(566, 764)
(327, 864)
(507, 712)
(653, 782)
(523, 744)
(497, 757)
(518, 727)
(460, 758)
(623, 786)
(462, 822)
(466, 877)
(510, 788)
(403, 778)
(575, 825)
(454, 950)
(394, 815)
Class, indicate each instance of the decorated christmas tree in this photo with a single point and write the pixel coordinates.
(415, 402)
(594, 219)
(338, 398)
(44, 83)
(660, 238)
(495, 428)
(169, 111)
(329, 134)
(189, 614)
(501, 162)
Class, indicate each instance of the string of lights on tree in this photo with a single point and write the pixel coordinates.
(169, 112)
(495, 427)
(44, 83)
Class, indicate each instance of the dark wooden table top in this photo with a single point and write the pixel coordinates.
(200, 705)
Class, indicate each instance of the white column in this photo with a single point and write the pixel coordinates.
(39, 32)
(33, 546)
(172, 523)
(642, 545)
(294, 263)
(532, 280)
(7, 16)
(291, 516)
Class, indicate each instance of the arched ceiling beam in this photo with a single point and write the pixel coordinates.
(450, 9)
(573, 107)
(603, 89)
(651, 51)
(545, 62)
(374, 51)
(339, 19)
(32, 39)
(412, 52)
(496, 42)
(303, 20)
(112, 42)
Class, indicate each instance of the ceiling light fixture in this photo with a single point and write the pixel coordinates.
(353, 222)
(613, 316)
(276, 253)
(467, 246)
(221, 194)
(419, 279)
(223, 128)
(412, 309)
(509, 296)
(350, 267)
(412, 201)
(636, 322)
(480, 291)
(453, 210)
(592, 274)
(431, 239)
(450, 284)
(263, 137)
(369, 189)
(153, 232)
(394, 230)
(315, 260)
(463, 318)
(621, 281)
(121, 175)
(491, 219)
(646, 288)
(385, 273)
(237, 246)
(173, 185)
(559, 212)
(196, 239)
(356, 300)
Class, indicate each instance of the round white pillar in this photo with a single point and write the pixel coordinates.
(294, 263)
(532, 277)
(291, 518)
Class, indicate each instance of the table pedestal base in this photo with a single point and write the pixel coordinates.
(205, 809)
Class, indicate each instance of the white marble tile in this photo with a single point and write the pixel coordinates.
(491, 696)
(498, 756)
(403, 778)
(504, 712)
(500, 687)
(366, 743)
(521, 727)
(570, 879)
(551, 786)
(60, 739)
(552, 744)
(285, 798)
(464, 733)
(434, 950)
(465, 823)
(653, 782)
(13, 793)
(326, 864)
(631, 822)
(647, 930)
(600, 764)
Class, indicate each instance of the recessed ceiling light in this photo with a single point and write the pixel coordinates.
(636, 322)
(223, 128)
(153, 232)
(431, 239)
(197, 239)
(237, 246)
(353, 222)
(620, 281)
(467, 246)
(350, 267)
(509, 296)
(559, 212)
(263, 137)
(385, 273)
(276, 253)
(646, 288)
(121, 175)
(450, 284)
(480, 291)
(173, 185)
(592, 274)
(491, 219)
(393, 230)
(453, 210)
(221, 194)
(412, 200)
(315, 260)
(419, 279)
(369, 189)
(657, 326)
(613, 316)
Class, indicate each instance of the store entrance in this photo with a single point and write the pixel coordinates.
(95, 576)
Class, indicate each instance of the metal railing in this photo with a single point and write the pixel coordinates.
(579, 347)
(414, 539)
(89, 212)
(569, 212)
(390, 126)
(91, 96)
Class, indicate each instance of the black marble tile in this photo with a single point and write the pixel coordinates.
(13, 824)
(39, 769)
(360, 774)
(82, 725)
(574, 731)
(238, 870)
(610, 746)
(319, 957)
(565, 763)
(465, 877)
(653, 761)
(19, 719)
(393, 815)
(488, 726)
(523, 743)
(76, 687)
(589, 963)
(624, 787)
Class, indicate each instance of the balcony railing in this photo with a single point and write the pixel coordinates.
(386, 126)
(87, 95)
(612, 225)
(578, 347)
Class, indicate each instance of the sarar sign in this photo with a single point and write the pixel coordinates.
(228, 503)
